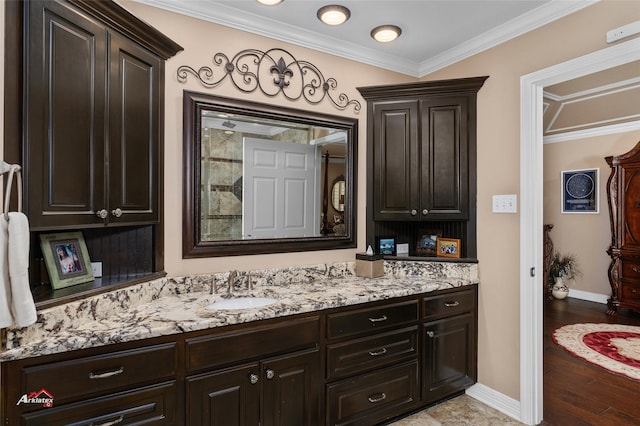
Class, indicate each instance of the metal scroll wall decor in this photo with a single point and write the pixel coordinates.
(273, 72)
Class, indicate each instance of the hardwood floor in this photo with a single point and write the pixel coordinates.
(576, 392)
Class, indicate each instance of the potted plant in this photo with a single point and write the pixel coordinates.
(563, 267)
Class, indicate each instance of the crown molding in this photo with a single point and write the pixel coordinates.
(260, 25)
(590, 133)
(530, 21)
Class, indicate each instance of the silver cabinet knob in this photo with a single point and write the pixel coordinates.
(425, 212)
(430, 334)
(414, 212)
(270, 374)
(253, 378)
(102, 214)
(116, 212)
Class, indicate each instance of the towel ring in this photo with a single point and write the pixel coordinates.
(16, 170)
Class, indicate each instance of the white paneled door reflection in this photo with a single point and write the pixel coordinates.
(281, 193)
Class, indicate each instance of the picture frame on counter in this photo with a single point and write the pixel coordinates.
(426, 244)
(67, 259)
(387, 245)
(580, 191)
(448, 247)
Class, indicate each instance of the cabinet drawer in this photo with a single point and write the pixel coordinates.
(236, 346)
(371, 398)
(358, 321)
(376, 351)
(630, 291)
(89, 376)
(631, 268)
(154, 405)
(443, 305)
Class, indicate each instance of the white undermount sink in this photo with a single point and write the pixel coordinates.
(241, 303)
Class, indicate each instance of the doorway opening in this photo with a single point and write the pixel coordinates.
(531, 223)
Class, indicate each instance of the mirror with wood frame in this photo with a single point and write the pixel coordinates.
(256, 178)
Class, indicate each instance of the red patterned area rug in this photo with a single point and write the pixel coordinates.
(614, 347)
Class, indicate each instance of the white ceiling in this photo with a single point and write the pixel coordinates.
(435, 33)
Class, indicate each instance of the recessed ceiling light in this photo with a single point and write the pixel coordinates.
(333, 14)
(270, 2)
(386, 33)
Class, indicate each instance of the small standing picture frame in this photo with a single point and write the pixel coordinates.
(67, 259)
(448, 247)
(426, 244)
(387, 245)
(580, 191)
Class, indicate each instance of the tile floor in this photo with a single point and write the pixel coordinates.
(460, 411)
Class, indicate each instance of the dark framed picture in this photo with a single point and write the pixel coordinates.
(580, 191)
(387, 245)
(426, 244)
(448, 247)
(67, 259)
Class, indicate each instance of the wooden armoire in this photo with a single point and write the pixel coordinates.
(623, 193)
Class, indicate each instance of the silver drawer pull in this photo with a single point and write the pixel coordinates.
(381, 397)
(451, 304)
(430, 334)
(107, 374)
(114, 422)
(379, 319)
(378, 353)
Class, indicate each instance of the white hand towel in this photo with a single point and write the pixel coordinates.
(22, 306)
(6, 318)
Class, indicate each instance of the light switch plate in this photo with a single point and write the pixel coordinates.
(96, 268)
(505, 203)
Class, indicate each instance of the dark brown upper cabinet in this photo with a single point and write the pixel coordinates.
(92, 147)
(420, 139)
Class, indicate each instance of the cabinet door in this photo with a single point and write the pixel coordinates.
(291, 390)
(134, 104)
(444, 156)
(228, 397)
(64, 146)
(395, 159)
(449, 356)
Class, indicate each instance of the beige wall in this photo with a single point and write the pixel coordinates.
(201, 40)
(586, 235)
(498, 168)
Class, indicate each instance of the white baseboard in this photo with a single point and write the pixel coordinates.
(494, 399)
(590, 297)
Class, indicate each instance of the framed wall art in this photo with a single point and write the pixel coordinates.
(448, 247)
(580, 191)
(67, 259)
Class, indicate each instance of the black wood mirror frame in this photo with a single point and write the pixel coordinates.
(193, 247)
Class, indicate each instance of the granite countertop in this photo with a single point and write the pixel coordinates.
(177, 305)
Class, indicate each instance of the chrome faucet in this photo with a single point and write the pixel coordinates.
(231, 280)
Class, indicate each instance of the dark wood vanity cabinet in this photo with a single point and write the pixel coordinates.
(282, 390)
(268, 375)
(372, 363)
(623, 188)
(450, 343)
(93, 140)
(96, 386)
(357, 365)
